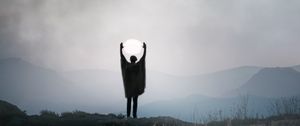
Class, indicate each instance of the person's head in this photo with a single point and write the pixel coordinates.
(133, 59)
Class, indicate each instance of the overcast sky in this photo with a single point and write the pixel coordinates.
(184, 37)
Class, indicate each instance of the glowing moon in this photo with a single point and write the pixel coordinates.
(132, 46)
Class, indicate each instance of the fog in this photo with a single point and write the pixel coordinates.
(184, 37)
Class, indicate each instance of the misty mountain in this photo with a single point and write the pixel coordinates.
(30, 86)
(219, 83)
(34, 88)
(158, 84)
(110, 83)
(99, 88)
(273, 82)
(297, 68)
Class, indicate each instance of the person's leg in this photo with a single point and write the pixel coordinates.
(135, 104)
(128, 106)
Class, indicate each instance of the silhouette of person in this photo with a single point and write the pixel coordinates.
(134, 79)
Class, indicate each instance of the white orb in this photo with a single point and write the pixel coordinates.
(133, 46)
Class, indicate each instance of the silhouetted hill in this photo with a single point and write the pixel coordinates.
(273, 82)
(9, 109)
(11, 115)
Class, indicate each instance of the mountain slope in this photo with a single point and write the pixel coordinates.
(34, 88)
(297, 68)
(8, 109)
(22, 78)
(273, 82)
(101, 89)
(218, 83)
(25, 84)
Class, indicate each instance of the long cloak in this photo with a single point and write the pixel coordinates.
(134, 76)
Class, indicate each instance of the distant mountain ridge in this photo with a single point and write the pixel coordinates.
(34, 88)
(273, 82)
(297, 68)
(218, 83)
(21, 83)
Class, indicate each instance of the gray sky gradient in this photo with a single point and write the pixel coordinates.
(184, 37)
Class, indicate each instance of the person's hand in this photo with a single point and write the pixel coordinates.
(121, 45)
(144, 45)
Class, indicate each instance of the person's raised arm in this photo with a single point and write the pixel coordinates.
(145, 48)
(121, 53)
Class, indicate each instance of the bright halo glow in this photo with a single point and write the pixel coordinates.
(132, 46)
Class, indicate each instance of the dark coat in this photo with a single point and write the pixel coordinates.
(134, 75)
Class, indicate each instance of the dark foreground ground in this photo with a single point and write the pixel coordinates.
(11, 115)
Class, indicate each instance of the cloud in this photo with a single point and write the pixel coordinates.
(183, 37)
